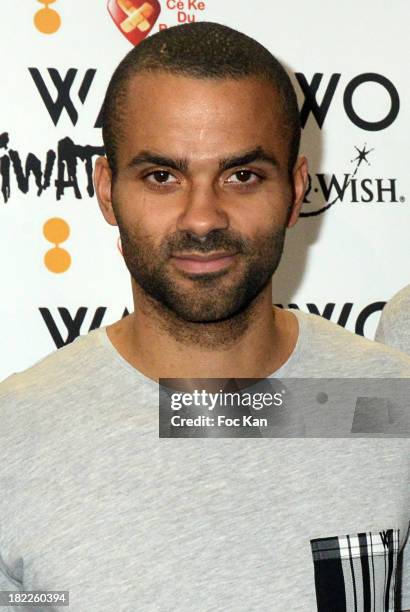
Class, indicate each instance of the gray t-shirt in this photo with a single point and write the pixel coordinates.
(394, 324)
(93, 502)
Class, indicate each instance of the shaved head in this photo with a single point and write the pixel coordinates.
(201, 50)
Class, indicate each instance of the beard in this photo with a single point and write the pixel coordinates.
(207, 297)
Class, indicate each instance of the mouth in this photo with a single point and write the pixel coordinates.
(201, 263)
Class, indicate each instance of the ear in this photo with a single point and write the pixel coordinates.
(300, 181)
(103, 188)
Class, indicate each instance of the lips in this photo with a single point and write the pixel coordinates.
(203, 257)
(201, 263)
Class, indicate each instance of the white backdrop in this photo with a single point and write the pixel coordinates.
(348, 259)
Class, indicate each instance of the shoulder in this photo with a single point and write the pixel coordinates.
(394, 324)
(399, 300)
(327, 349)
(398, 306)
(61, 369)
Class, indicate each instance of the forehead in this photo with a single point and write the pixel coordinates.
(200, 118)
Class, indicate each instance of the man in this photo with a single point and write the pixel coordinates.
(202, 176)
(394, 325)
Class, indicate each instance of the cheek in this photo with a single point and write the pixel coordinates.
(141, 215)
(257, 215)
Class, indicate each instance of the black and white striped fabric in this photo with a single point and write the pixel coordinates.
(356, 573)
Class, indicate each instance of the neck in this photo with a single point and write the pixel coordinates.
(252, 344)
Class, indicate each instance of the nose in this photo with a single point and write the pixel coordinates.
(202, 212)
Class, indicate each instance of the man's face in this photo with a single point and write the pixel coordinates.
(202, 195)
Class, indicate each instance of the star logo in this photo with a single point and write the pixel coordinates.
(363, 153)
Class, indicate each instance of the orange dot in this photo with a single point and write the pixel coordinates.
(47, 20)
(56, 230)
(57, 260)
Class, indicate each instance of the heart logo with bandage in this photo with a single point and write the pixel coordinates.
(134, 18)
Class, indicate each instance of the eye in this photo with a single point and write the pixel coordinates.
(244, 177)
(160, 177)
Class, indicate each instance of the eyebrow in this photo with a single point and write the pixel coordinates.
(181, 164)
(147, 157)
(257, 154)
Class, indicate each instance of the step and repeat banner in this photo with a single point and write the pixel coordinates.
(62, 270)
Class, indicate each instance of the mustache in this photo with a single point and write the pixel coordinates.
(215, 240)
